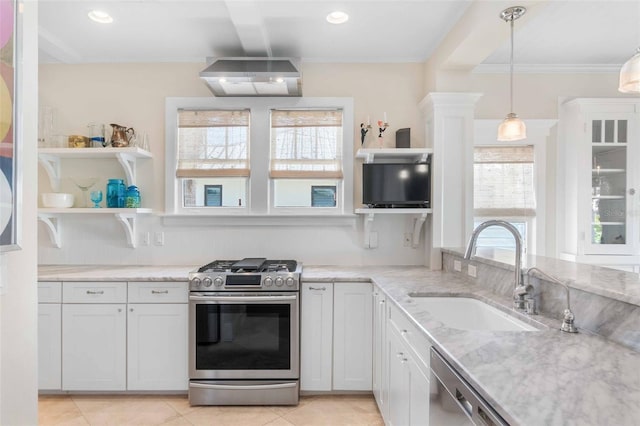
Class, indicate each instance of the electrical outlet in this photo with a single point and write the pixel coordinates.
(471, 270)
(158, 238)
(457, 265)
(407, 239)
(145, 238)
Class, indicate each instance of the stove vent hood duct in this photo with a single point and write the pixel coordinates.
(253, 77)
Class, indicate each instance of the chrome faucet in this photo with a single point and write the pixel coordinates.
(568, 316)
(519, 290)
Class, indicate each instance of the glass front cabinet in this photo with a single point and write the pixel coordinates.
(599, 149)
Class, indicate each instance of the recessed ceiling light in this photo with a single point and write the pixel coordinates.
(100, 16)
(337, 17)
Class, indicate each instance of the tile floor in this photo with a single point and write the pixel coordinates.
(356, 410)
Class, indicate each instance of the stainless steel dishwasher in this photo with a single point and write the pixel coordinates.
(453, 402)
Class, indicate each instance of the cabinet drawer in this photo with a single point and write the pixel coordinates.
(411, 334)
(94, 292)
(158, 292)
(49, 292)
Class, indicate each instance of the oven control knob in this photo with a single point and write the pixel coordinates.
(279, 281)
(290, 281)
(268, 282)
(207, 282)
(196, 282)
(218, 281)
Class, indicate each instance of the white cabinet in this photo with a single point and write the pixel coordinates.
(316, 336)
(49, 335)
(408, 372)
(352, 336)
(336, 336)
(95, 341)
(157, 330)
(597, 157)
(380, 383)
(94, 347)
(399, 381)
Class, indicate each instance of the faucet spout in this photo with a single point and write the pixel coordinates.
(518, 293)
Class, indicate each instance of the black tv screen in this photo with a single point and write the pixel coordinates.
(388, 185)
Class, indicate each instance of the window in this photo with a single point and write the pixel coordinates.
(213, 152)
(323, 196)
(504, 189)
(265, 153)
(213, 195)
(306, 153)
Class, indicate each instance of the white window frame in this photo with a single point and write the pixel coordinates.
(485, 132)
(260, 186)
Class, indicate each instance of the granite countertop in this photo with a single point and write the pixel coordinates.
(530, 377)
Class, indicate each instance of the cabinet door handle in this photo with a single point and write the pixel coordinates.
(159, 291)
(119, 309)
(130, 309)
(632, 191)
(318, 288)
(95, 292)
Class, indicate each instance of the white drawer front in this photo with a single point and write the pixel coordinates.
(49, 292)
(410, 333)
(158, 292)
(94, 292)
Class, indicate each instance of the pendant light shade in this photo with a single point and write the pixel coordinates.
(630, 75)
(512, 128)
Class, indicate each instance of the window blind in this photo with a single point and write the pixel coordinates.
(306, 144)
(213, 143)
(504, 181)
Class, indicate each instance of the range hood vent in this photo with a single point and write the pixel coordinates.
(253, 77)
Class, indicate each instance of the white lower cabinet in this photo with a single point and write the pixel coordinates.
(157, 346)
(380, 379)
(316, 336)
(336, 336)
(90, 339)
(408, 372)
(49, 335)
(94, 347)
(352, 336)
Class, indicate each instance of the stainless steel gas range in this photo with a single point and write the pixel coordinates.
(244, 326)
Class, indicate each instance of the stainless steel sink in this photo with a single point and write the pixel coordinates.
(465, 313)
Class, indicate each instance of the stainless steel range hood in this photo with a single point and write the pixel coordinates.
(253, 77)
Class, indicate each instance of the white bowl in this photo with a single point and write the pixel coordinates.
(57, 200)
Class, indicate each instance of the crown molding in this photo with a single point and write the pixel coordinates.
(548, 69)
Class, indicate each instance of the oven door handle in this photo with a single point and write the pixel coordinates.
(196, 297)
(243, 387)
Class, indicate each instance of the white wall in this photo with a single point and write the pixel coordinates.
(18, 299)
(134, 95)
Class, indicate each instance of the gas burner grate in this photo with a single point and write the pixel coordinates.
(218, 266)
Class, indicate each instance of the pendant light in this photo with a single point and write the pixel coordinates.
(512, 128)
(630, 75)
(630, 71)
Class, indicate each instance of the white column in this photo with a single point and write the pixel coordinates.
(449, 131)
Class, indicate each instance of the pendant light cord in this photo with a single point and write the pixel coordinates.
(511, 68)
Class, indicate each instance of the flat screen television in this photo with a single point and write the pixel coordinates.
(396, 185)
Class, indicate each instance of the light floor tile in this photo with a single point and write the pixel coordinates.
(174, 410)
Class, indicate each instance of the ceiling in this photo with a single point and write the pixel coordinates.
(571, 34)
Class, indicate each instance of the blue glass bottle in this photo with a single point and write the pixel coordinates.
(115, 193)
(132, 199)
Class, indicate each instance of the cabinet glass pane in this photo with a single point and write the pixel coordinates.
(596, 131)
(608, 192)
(622, 131)
(609, 130)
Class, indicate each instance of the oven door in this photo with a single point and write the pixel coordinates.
(244, 335)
